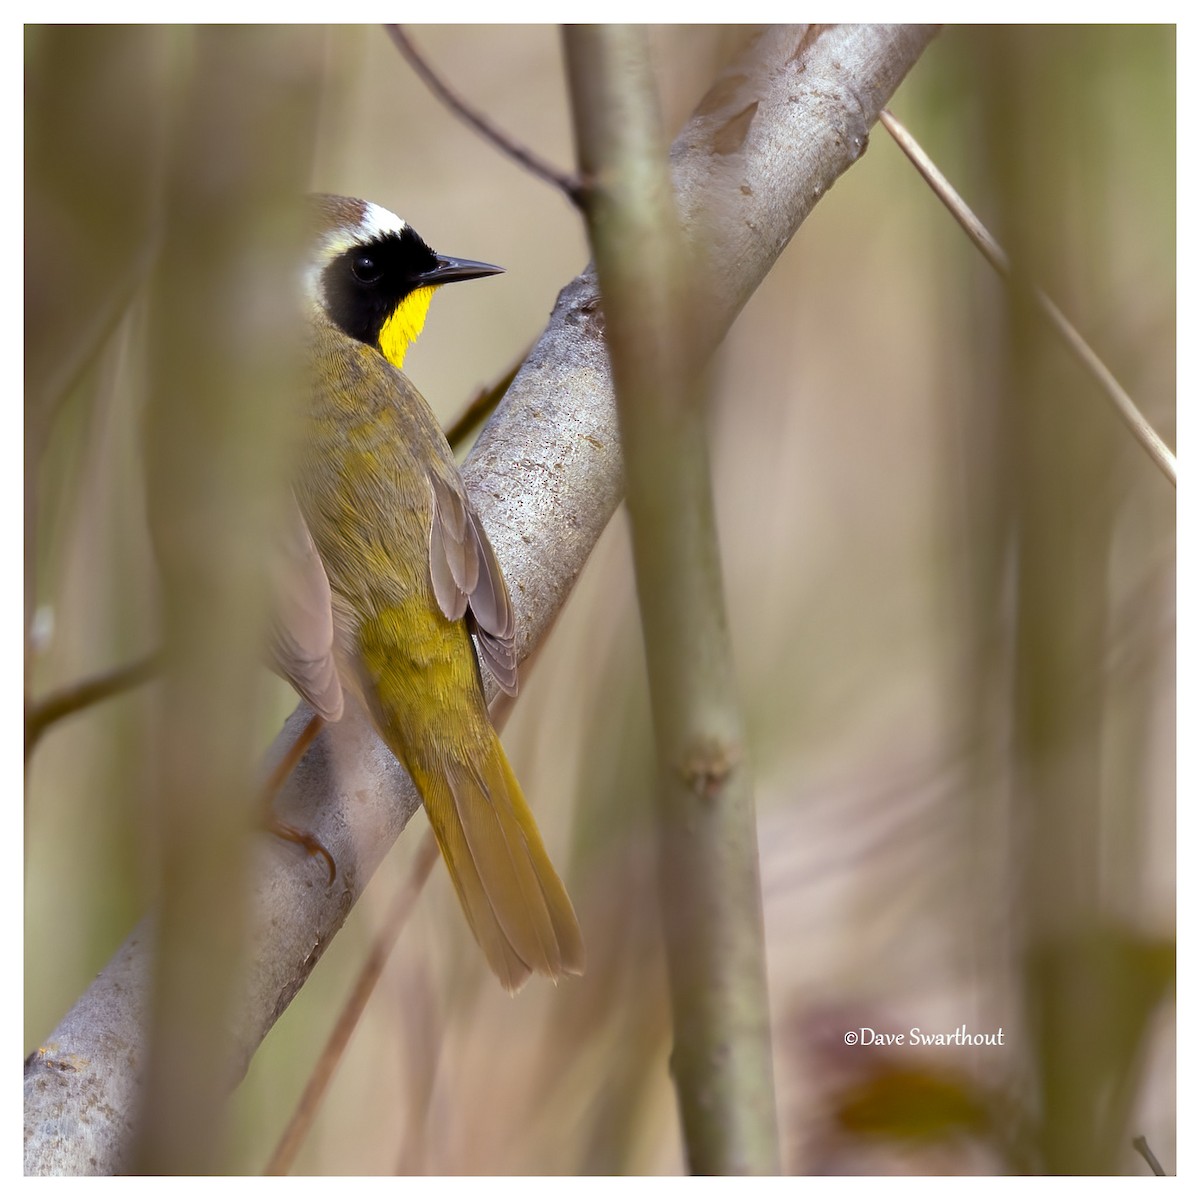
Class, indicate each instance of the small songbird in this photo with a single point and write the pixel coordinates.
(401, 574)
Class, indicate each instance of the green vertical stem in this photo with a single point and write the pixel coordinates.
(225, 377)
(1082, 970)
(708, 851)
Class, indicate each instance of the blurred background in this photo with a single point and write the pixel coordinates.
(951, 582)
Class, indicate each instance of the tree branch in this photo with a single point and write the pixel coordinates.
(1143, 1148)
(709, 890)
(780, 125)
(67, 701)
(987, 245)
(571, 186)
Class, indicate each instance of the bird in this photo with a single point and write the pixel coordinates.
(392, 574)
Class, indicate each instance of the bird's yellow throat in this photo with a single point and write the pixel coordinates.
(404, 326)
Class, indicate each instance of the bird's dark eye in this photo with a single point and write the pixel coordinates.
(366, 269)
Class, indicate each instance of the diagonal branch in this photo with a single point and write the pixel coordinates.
(74, 698)
(987, 245)
(779, 126)
(570, 185)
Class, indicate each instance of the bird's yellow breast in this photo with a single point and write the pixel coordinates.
(404, 326)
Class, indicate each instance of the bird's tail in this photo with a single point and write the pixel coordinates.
(514, 901)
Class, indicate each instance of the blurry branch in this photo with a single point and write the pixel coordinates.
(72, 699)
(225, 368)
(545, 476)
(1089, 980)
(707, 833)
(571, 186)
(1143, 1148)
(1137, 424)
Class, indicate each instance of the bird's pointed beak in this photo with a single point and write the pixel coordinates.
(452, 270)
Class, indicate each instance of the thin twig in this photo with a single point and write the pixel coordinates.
(1143, 1148)
(570, 185)
(276, 779)
(481, 405)
(318, 1082)
(69, 700)
(1141, 428)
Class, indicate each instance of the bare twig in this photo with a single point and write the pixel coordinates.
(39, 717)
(571, 186)
(1141, 428)
(481, 405)
(276, 779)
(1143, 1148)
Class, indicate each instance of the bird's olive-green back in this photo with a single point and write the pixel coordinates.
(364, 488)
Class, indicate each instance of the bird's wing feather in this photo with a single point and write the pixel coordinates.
(465, 572)
(302, 617)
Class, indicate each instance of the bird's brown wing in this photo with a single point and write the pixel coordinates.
(302, 618)
(466, 575)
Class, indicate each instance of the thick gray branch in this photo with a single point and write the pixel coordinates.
(774, 133)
